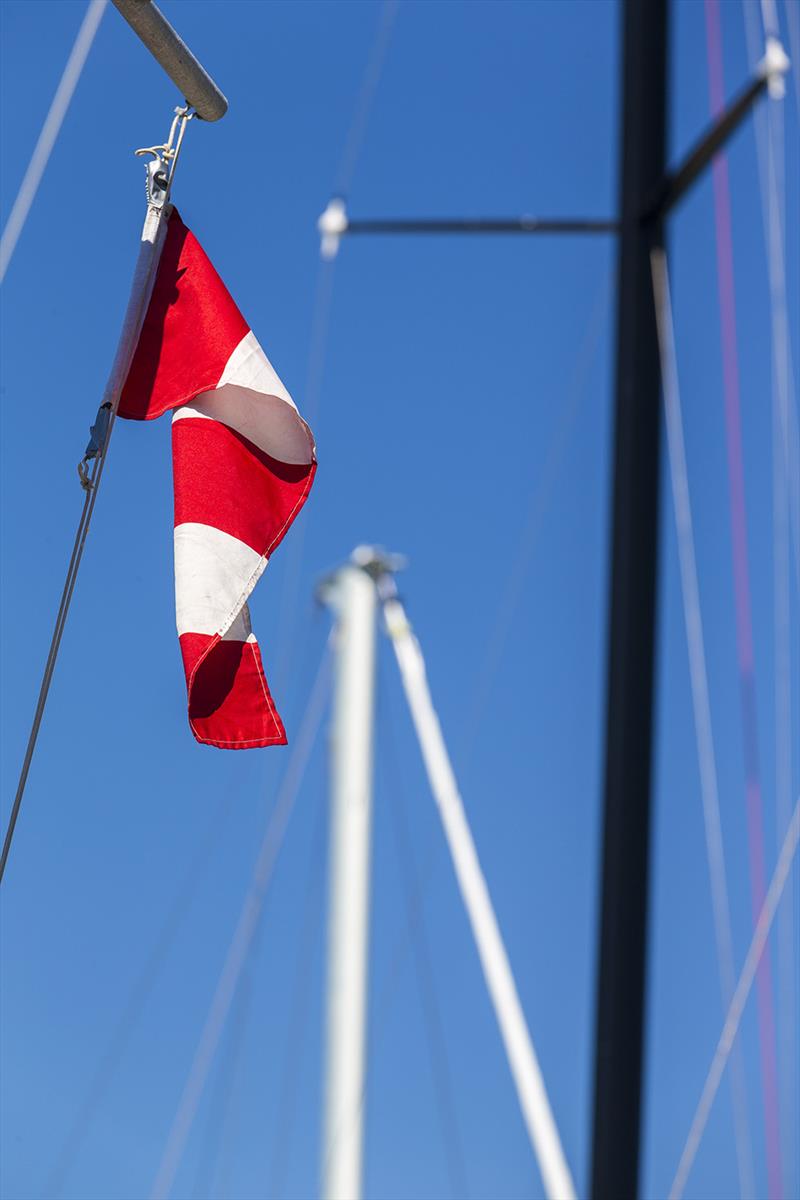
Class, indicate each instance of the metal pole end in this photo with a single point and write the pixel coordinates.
(174, 56)
(773, 67)
(332, 225)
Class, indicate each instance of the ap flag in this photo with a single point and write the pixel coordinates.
(243, 465)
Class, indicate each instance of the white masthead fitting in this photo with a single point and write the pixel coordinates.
(773, 68)
(331, 225)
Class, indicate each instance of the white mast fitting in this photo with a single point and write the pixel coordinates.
(350, 592)
(522, 1059)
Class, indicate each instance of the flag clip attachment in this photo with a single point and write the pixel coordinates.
(162, 165)
(97, 441)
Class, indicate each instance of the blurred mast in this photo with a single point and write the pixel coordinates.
(648, 193)
(350, 592)
(632, 614)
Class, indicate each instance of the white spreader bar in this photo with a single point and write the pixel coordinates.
(522, 1059)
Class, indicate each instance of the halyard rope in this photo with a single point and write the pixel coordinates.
(144, 276)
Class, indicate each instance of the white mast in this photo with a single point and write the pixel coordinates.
(351, 593)
(522, 1060)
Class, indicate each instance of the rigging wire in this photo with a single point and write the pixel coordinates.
(540, 497)
(369, 86)
(49, 132)
(213, 1161)
(734, 1015)
(793, 25)
(538, 504)
(434, 1025)
(144, 275)
(214, 1165)
(50, 662)
(296, 1041)
(770, 151)
(701, 705)
(209, 1165)
(246, 926)
(293, 561)
(744, 624)
(320, 327)
(135, 1003)
(217, 830)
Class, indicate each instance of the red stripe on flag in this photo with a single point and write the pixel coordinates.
(222, 479)
(230, 705)
(191, 329)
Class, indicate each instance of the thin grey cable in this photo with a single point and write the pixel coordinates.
(134, 1005)
(528, 537)
(238, 949)
(366, 98)
(137, 307)
(220, 1108)
(49, 133)
(283, 1136)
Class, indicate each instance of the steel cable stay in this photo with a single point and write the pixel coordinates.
(737, 1005)
(366, 97)
(793, 25)
(538, 501)
(770, 151)
(214, 1160)
(239, 947)
(210, 1164)
(134, 1005)
(742, 599)
(49, 133)
(320, 323)
(311, 928)
(701, 705)
(160, 175)
(139, 993)
(137, 999)
(293, 559)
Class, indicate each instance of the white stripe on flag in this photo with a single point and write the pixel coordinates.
(212, 572)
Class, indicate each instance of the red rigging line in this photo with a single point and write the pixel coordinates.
(741, 578)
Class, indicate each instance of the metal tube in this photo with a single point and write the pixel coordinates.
(681, 179)
(351, 593)
(480, 225)
(171, 53)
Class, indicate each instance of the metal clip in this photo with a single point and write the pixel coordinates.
(97, 441)
(159, 170)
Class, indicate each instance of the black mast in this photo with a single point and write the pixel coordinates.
(632, 614)
(648, 193)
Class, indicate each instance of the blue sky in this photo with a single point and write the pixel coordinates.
(465, 408)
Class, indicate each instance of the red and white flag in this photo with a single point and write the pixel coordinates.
(243, 464)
